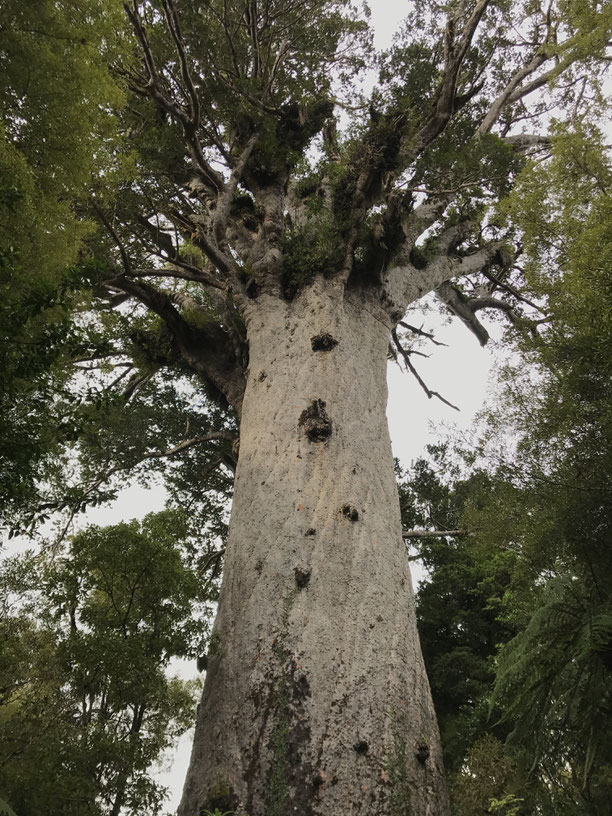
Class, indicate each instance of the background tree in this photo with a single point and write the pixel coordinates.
(460, 601)
(542, 514)
(232, 259)
(86, 704)
(56, 123)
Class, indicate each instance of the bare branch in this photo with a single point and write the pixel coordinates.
(512, 290)
(114, 235)
(421, 333)
(180, 447)
(433, 533)
(406, 356)
(175, 30)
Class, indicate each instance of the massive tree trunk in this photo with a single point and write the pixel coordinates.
(316, 699)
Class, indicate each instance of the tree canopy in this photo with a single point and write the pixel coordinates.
(87, 705)
(168, 162)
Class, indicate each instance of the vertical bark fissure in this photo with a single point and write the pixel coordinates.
(303, 671)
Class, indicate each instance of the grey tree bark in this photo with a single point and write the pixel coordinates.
(316, 699)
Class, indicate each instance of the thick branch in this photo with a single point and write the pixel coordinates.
(460, 306)
(405, 284)
(465, 309)
(433, 533)
(208, 349)
(511, 88)
(199, 277)
(454, 54)
(225, 200)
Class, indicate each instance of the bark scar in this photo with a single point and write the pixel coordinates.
(302, 577)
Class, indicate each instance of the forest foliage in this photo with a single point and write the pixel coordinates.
(516, 614)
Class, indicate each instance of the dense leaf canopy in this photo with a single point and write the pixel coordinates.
(86, 704)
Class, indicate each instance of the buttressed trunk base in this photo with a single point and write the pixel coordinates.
(316, 699)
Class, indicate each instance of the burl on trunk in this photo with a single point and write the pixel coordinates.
(316, 699)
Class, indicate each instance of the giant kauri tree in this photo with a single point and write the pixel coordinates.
(256, 226)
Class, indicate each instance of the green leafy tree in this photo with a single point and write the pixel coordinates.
(543, 510)
(87, 706)
(56, 131)
(460, 599)
(565, 457)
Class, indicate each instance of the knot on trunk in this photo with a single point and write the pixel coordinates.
(316, 422)
(323, 342)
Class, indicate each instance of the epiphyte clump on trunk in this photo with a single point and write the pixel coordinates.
(350, 512)
(316, 422)
(323, 342)
(302, 577)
